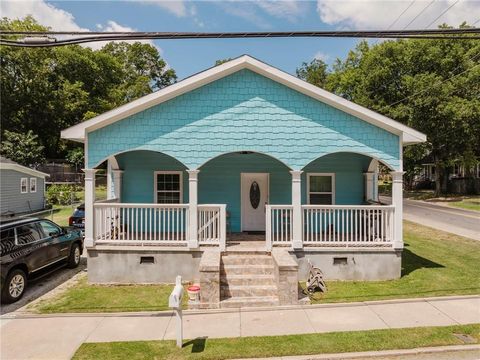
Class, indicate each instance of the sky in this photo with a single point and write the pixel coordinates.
(191, 56)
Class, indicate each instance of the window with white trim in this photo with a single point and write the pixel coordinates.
(321, 189)
(168, 187)
(23, 185)
(33, 185)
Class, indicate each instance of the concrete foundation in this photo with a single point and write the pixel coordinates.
(147, 265)
(348, 264)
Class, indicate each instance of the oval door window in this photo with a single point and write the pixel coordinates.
(254, 194)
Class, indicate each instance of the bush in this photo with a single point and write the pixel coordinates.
(62, 194)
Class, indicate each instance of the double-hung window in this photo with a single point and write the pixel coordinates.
(23, 185)
(321, 189)
(168, 187)
(33, 185)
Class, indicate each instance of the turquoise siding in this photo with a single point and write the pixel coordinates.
(349, 179)
(243, 111)
(138, 178)
(219, 182)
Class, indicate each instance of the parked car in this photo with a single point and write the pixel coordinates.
(77, 219)
(30, 245)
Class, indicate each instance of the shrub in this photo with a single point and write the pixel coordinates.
(62, 194)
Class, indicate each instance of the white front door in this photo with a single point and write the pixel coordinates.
(254, 198)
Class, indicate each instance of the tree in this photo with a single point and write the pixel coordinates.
(314, 72)
(222, 61)
(76, 157)
(24, 149)
(49, 89)
(430, 85)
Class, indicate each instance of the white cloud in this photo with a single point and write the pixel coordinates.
(176, 7)
(58, 19)
(289, 10)
(376, 14)
(321, 56)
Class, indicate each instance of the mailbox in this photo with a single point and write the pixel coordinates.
(175, 302)
(175, 299)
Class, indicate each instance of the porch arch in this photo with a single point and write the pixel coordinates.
(220, 181)
(372, 157)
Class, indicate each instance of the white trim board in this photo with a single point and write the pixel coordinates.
(78, 132)
(23, 169)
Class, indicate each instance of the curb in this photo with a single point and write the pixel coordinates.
(17, 315)
(382, 353)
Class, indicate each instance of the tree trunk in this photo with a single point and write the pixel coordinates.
(441, 180)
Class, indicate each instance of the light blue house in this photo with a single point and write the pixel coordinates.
(242, 148)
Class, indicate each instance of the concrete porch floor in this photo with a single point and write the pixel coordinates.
(246, 242)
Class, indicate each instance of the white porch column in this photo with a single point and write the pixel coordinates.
(89, 201)
(192, 208)
(397, 201)
(297, 241)
(369, 186)
(117, 184)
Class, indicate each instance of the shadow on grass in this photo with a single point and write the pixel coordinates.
(412, 262)
(198, 344)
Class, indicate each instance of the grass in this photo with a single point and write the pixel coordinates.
(434, 263)
(470, 203)
(84, 297)
(268, 346)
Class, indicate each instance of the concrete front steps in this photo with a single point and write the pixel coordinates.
(247, 279)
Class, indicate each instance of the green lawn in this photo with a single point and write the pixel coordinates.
(84, 297)
(434, 263)
(470, 203)
(254, 347)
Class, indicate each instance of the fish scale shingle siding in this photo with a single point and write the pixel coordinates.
(243, 111)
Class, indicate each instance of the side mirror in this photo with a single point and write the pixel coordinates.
(55, 234)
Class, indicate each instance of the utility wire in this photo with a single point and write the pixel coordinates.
(440, 82)
(420, 13)
(399, 16)
(41, 39)
(443, 13)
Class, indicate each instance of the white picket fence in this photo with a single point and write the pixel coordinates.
(212, 225)
(279, 225)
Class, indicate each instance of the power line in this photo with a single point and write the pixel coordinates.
(420, 13)
(44, 39)
(399, 16)
(441, 82)
(443, 13)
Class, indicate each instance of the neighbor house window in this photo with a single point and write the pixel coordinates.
(168, 187)
(321, 189)
(33, 185)
(24, 185)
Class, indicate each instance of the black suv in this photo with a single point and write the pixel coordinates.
(30, 245)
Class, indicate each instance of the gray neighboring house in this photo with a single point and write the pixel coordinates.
(22, 189)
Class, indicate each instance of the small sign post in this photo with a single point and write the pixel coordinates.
(175, 302)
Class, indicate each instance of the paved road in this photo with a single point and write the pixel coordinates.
(43, 332)
(457, 221)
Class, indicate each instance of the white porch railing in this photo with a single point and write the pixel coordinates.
(119, 223)
(212, 225)
(342, 225)
(332, 225)
(279, 225)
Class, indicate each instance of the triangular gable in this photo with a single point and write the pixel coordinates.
(407, 134)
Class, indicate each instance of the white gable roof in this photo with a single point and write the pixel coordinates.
(7, 164)
(77, 132)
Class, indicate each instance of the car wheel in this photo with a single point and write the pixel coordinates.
(14, 286)
(74, 258)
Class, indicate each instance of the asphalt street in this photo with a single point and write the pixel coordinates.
(456, 221)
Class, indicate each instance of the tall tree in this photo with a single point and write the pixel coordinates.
(315, 72)
(48, 89)
(24, 149)
(431, 85)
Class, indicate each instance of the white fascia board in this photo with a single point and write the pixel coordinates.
(22, 169)
(77, 132)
